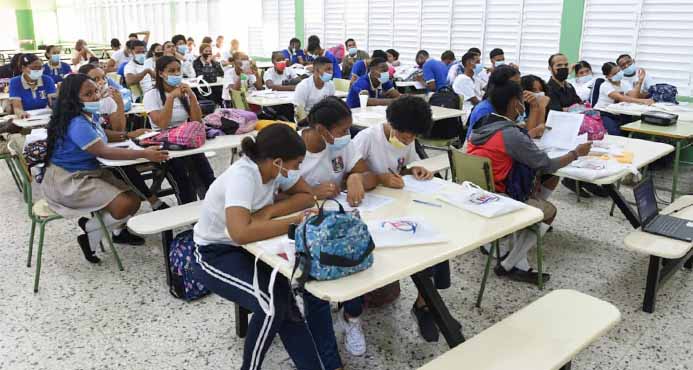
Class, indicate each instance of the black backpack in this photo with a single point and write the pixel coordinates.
(450, 127)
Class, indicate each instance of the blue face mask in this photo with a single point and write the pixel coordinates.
(35, 74)
(384, 77)
(617, 77)
(353, 51)
(55, 58)
(326, 76)
(91, 106)
(478, 68)
(630, 71)
(182, 49)
(286, 182)
(174, 80)
(139, 58)
(339, 142)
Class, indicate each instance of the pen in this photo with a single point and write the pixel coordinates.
(427, 203)
(548, 128)
(393, 172)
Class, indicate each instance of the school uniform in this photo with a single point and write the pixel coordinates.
(307, 94)
(611, 122)
(468, 87)
(583, 90)
(227, 269)
(435, 70)
(277, 78)
(192, 174)
(133, 67)
(230, 78)
(365, 84)
(634, 78)
(57, 73)
(32, 97)
(292, 55)
(359, 69)
(120, 58)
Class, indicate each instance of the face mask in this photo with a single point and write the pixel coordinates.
(499, 63)
(539, 94)
(158, 54)
(174, 80)
(339, 143)
(139, 58)
(521, 116)
(617, 77)
(35, 74)
(478, 68)
(630, 71)
(55, 58)
(384, 77)
(91, 106)
(182, 49)
(562, 74)
(353, 51)
(288, 180)
(326, 77)
(280, 66)
(207, 55)
(395, 142)
(584, 79)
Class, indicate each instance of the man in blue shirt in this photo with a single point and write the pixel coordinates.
(294, 54)
(315, 50)
(435, 72)
(377, 83)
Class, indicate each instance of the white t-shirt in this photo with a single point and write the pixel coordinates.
(379, 154)
(107, 106)
(150, 63)
(146, 83)
(230, 78)
(119, 57)
(483, 77)
(468, 87)
(278, 79)
(152, 103)
(239, 186)
(604, 90)
(307, 95)
(583, 90)
(634, 78)
(453, 72)
(328, 165)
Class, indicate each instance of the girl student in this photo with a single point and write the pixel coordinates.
(169, 104)
(54, 68)
(242, 207)
(74, 183)
(32, 89)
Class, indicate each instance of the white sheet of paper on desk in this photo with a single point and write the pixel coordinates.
(564, 131)
(431, 186)
(39, 112)
(282, 246)
(403, 232)
(371, 202)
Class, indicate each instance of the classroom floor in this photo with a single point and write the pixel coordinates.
(95, 317)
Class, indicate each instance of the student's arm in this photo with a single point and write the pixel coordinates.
(101, 150)
(364, 175)
(135, 78)
(146, 36)
(275, 87)
(393, 93)
(245, 228)
(195, 110)
(77, 57)
(537, 114)
(258, 80)
(117, 118)
(162, 117)
(18, 109)
(522, 149)
(620, 97)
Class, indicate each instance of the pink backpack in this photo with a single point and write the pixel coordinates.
(246, 120)
(338, 51)
(592, 124)
(189, 135)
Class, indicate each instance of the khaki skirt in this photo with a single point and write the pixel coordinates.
(72, 194)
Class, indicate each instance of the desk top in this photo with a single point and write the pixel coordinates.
(392, 264)
(373, 115)
(661, 246)
(685, 112)
(267, 98)
(679, 131)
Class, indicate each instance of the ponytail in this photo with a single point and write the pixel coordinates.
(275, 141)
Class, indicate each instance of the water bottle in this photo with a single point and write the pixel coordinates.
(127, 99)
(244, 82)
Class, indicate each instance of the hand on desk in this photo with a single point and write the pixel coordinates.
(137, 133)
(327, 190)
(391, 180)
(355, 190)
(583, 149)
(155, 154)
(421, 173)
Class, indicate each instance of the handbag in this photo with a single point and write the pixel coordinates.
(189, 135)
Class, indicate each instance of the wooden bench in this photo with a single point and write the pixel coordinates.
(164, 222)
(545, 335)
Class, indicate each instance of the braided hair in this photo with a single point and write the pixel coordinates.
(66, 108)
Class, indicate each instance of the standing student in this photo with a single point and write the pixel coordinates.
(74, 183)
(184, 56)
(278, 77)
(136, 73)
(315, 50)
(54, 68)
(168, 105)
(393, 57)
(207, 66)
(377, 84)
(241, 74)
(468, 84)
(81, 53)
(613, 90)
(32, 89)
(313, 89)
(584, 80)
(434, 73)
(294, 54)
(634, 76)
(353, 54)
(241, 208)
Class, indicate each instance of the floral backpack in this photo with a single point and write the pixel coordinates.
(181, 261)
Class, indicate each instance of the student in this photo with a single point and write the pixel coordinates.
(353, 54)
(485, 108)
(613, 91)
(381, 91)
(448, 58)
(497, 57)
(169, 48)
(168, 105)
(207, 66)
(241, 208)
(535, 114)
(235, 46)
(190, 43)
(155, 51)
(12, 68)
(317, 51)
(115, 45)
(515, 161)
(136, 36)
(118, 58)
(360, 68)
(81, 53)
(393, 57)
(54, 68)
(74, 184)
(468, 84)
(32, 89)
(584, 80)
(278, 77)
(206, 40)
(313, 89)
(634, 76)
(435, 73)
(387, 149)
(241, 70)
(294, 54)
(218, 48)
(135, 71)
(184, 56)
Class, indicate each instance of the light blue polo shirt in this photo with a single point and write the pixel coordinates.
(70, 151)
(364, 83)
(435, 70)
(36, 98)
(57, 73)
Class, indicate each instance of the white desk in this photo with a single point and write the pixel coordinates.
(4, 96)
(375, 114)
(137, 108)
(267, 98)
(684, 111)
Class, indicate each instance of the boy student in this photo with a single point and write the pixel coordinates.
(635, 77)
(616, 90)
(120, 57)
(184, 55)
(294, 54)
(360, 68)
(448, 58)
(315, 50)
(135, 71)
(381, 91)
(468, 84)
(435, 73)
(278, 77)
(353, 54)
(313, 89)
(516, 160)
(497, 57)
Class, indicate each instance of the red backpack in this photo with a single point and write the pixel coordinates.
(189, 135)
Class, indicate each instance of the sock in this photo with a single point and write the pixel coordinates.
(117, 231)
(94, 233)
(545, 193)
(91, 225)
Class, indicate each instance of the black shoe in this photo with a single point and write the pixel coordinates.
(516, 274)
(485, 253)
(572, 186)
(126, 238)
(427, 325)
(595, 189)
(161, 207)
(82, 222)
(89, 255)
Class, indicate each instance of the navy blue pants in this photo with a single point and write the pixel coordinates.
(228, 271)
(193, 176)
(612, 124)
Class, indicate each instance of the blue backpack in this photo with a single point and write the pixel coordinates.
(183, 285)
(663, 93)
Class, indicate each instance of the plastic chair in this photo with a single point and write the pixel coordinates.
(341, 84)
(40, 213)
(239, 100)
(136, 91)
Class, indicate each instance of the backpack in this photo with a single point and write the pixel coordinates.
(246, 120)
(519, 184)
(450, 127)
(183, 284)
(593, 125)
(207, 106)
(664, 93)
(34, 151)
(189, 135)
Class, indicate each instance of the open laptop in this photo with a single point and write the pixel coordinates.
(654, 223)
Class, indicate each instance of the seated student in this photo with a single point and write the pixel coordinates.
(241, 208)
(484, 108)
(448, 58)
(168, 105)
(192, 50)
(74, 184)
(210, 69)
(119, 57)
(381, 91)
(635, 77)
(81, 53)
(294, 54)
(115, 46)
(584, 80)
(515, 161)
(184, 56)
(435, 73)
(613, 90)
(32, 89)
(278, 77)
(54, 68)
(468, 84)
(353, 54)
(360, 68)
(135, 36)
(241, 75)
(497, 57)
(535, 114)
(313, 89)
(135, 71)
(317, 51)
(12, 68)
(155, 51)
(393, 57)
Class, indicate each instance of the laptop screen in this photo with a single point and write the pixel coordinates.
(646, 201)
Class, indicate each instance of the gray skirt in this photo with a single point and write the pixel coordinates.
(72, 194)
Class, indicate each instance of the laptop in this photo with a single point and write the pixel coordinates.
(654, 223)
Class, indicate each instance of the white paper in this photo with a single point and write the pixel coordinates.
(282, 246)
(40, 112)
(128, 144)
(371, 202)
(434, 185)
(564, 130)
(404, 231)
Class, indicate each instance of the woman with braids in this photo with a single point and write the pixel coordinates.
(74, 183)
(169, 104)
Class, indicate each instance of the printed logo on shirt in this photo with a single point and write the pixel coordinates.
(338, 164)
(42, 94)
(400, 164)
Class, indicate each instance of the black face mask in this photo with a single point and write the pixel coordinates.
(207, 55)
(158, 54)
(562, 74)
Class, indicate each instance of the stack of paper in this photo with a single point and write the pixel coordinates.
(432, 186)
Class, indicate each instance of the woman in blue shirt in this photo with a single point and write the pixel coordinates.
(54, 68)
(294, 54)
(74, 184)
(30, 90)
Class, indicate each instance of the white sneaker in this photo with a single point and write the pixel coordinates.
(354, 340)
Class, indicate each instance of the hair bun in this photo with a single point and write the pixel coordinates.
(249, 147)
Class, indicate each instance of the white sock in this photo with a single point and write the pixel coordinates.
(91, 225)
(545, 193)
(117, 231)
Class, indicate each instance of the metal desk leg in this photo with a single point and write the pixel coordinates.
(622, 205)
(166, 239)
(677, 158)
(652, 285)
(451, 328)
